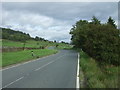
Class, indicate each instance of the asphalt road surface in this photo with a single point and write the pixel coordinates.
(55, 71)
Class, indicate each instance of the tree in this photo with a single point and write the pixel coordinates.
(78, 33)
(37, 38)
(100, 41)
(95, 20)
(55, 41)
(111, 22)
(14, 35)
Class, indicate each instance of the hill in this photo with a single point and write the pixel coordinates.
(13, 35)
(12, 38)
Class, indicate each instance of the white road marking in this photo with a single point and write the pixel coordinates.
(28, 74)
(13, 82)
(19, 64)
(77, 79)
(24, 63)
(48, 63)
(44, 66)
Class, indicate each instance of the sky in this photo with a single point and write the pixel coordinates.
(53, 20)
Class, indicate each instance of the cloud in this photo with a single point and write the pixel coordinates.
(65, 11)
(53, 20)
(36, 25)
(25, 18)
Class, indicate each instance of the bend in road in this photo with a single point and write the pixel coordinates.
(56, 71)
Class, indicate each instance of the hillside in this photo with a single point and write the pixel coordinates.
(17, 47)
(13, 35)
(11, 38)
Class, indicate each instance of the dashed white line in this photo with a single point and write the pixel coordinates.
(34, 70)
(44, 66)
(13, 82)
(24, 63)
(48, 63)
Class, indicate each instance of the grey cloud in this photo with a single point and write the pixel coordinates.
(53, 20)
(66, 11)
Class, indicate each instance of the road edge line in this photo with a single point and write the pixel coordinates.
(77, 78)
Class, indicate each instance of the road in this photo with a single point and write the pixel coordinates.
(54, 71)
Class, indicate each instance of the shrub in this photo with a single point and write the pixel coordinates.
(100, 41)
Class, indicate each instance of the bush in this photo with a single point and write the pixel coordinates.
(100, 41)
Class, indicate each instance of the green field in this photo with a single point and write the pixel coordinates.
(98, 76)
(33, 43)
(9, 58)
(29, 43)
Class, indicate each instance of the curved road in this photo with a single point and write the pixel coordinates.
(55, 71)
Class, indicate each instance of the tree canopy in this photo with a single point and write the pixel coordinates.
(13, 35)
(101, 41)
(111, 22)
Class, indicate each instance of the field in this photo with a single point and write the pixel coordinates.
(29, 43)
(33, 44)
(9, 58)
(98, 76)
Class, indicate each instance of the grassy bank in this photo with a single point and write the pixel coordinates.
(28, 43)
(98, 76)
(31, 43)
(9, 58)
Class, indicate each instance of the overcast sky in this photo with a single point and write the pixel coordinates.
(53, 21)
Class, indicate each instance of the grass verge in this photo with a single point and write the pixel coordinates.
(98, 76)
(9, 58)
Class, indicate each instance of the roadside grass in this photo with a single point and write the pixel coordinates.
(81, 78)
(104, 76)
(9, 58)
(0, 59)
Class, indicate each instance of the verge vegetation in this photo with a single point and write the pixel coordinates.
(101, 44)
(17, 47)
(9, 58)
(98, 76)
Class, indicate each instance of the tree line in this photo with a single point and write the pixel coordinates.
(13, 35)
(99, 40)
